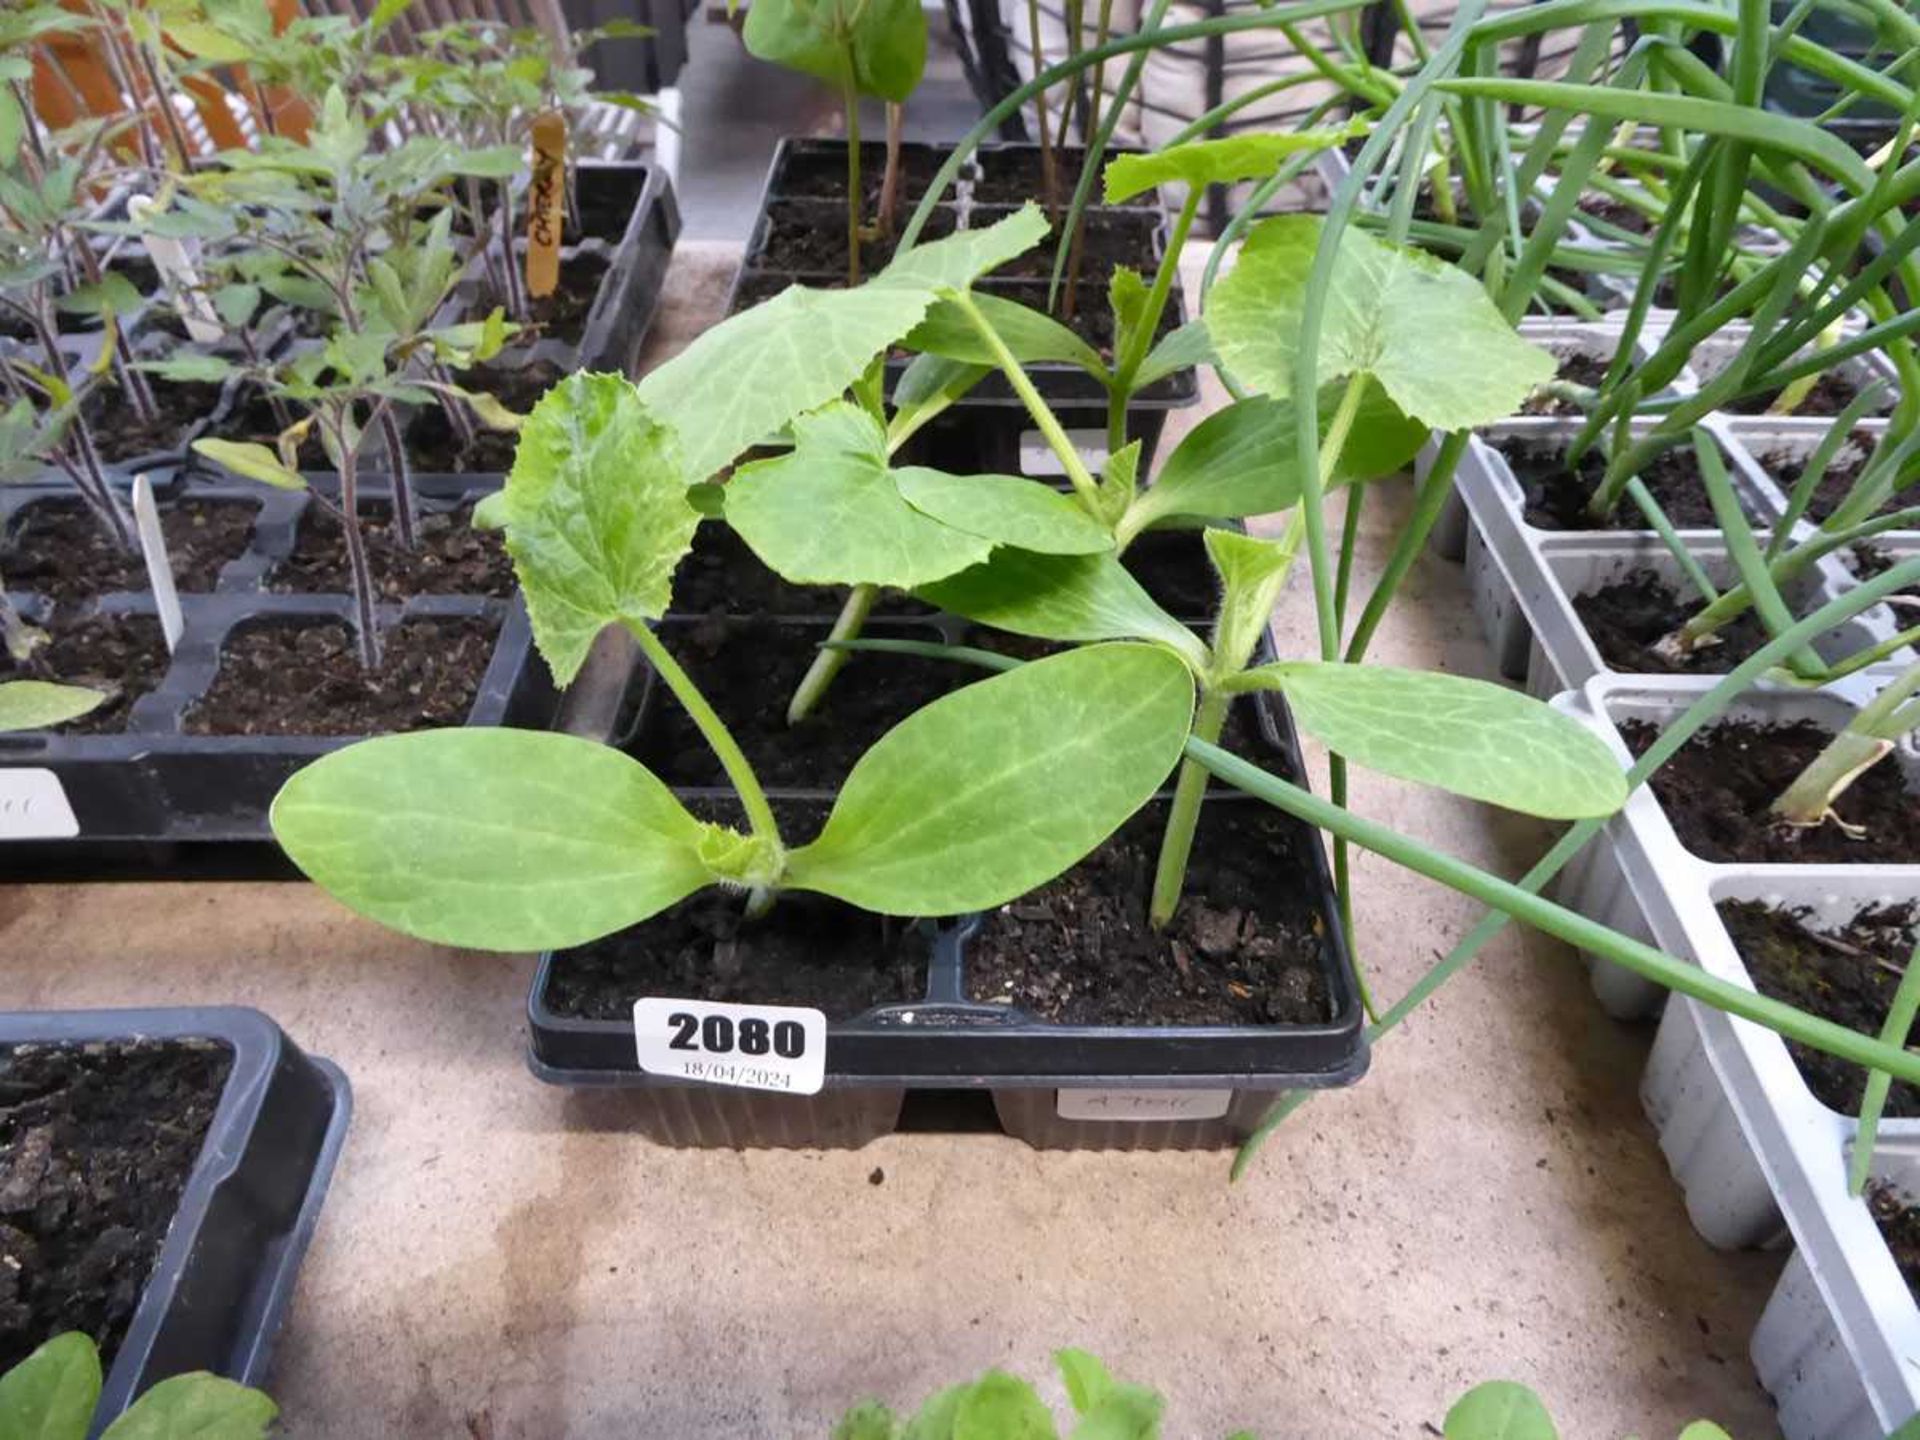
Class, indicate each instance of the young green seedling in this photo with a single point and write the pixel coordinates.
(52, 1393)
(1506, 1410)
(1873, 733)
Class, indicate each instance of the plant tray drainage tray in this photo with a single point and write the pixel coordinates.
(804, 203)
(223, 1272)
(145, 792)
(1079, 1082)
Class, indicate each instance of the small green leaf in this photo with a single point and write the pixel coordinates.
(1005, 509)
(1424, 329)
(490, 412)
(112, 294)
(871, 1421)
(50, 1395)
(1062, 597)
(197, 1406)
(1129, 1412)
(1034, 338)
(1000, 786)
(1707, 1430)
(493, 839)
(1473, 738)
(206, 369)
(1499, 1410)
(208, 42)
(1127, 296)
(40, 704)
(596, 515)
(1252, 573)
(1254, 155)
(829, 513)
(1181, 349)
(934, 1420)
(1088, 1381)
(252, 462)
(1002, 1407)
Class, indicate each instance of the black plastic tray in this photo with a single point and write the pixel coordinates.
(220, 1288)
(151, 797)
(986, 426)
(949, 1043)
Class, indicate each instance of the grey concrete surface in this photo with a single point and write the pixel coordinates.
(493, 1262)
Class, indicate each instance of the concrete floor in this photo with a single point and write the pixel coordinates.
(494, 1261)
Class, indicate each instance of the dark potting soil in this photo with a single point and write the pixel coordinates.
(252, 418)
(1556, 497)
(433, 446)
(824, 176)
(1172, 566)
(1831, 394)
(450, 558)
(807, 950)
(305, 678)
(1717, 792)
(605, 202)
(1617, 213)
(1575, 369)
(563, 314)
(1847, 975)
(720, 575)
(1013, 177)
(809, 238)
(1112, 237)
(1899, 1224)
(749, 667)
(123, 655)
(1837, 481)
(1246, 947)
(96, 1146)
(58, 549)
(1629, 617)
(120, 434)
(1667, 293)
(1871, 560)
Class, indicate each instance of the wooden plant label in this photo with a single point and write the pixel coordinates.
(547, 209)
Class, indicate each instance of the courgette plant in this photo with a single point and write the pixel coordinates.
(52, 1393)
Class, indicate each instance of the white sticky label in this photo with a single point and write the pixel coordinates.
(1143, 1105)
(153, 547)
(175, 263)
(33, 806)
(755, 1047)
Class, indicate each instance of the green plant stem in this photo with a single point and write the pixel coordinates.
(1176, 846)
(714, 731)
(828, 663)
(1898, 1026)
(1140, 336)
(1044, 419)
(1867, 740)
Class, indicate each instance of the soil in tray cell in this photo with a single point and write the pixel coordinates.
(563, 314)
(1557, 498)
(120, 434)
(1617, 213)
(1847, 974)
(124, 656)
(304, 677)
(1172, 566)
(96, 1146)
(1112, 238)
(1837, 481)
(58, 549)
(450, 558)
(1831, 394)
(1627, 619)
(433, 446)
(1899, 1224)
(720, 575)
(807, 950)
(1870, 560)
(1246, 947)
(824, 176)
(1718, 791)
(1575, 369)
(809, 237)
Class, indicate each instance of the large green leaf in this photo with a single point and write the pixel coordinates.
(744, 380)
(1000, 786)
(1006, 509)
(596, 514)
(1425, 330)
(50, 1395)
(999, 1406)
(40, 704)
(196, 1406)
(1499, 1410)
(1035, 338)
(1467, 736)
(1062, 597)
(829, 513)
(493, 839)
(1251, 156)
(880, 45)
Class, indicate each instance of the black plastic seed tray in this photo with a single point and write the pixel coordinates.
(219, 1290)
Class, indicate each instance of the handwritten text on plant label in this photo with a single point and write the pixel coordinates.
(1141, 1105)
(756, 1047)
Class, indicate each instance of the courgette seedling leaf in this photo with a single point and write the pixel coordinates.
(1424, 330)
(999, 1406)
(1034, 338)
(493, 839)
(934, 1419)
(1062, 597)
(1499, 1410)
(1086, 1377)
(50, 1395)
(1251, 156)
(1000, 786)
(880, 46)
(1468, 736)
(196, 1406)
(596, 515)
(1005, 509)
(39, 704)
(871, 1421)
(746, 378)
